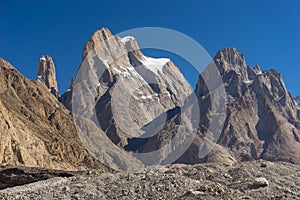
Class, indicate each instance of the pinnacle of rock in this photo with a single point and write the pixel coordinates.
(47, 74)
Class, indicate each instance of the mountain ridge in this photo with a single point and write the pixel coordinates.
(261, 120)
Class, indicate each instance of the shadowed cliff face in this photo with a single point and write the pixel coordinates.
(36, 130)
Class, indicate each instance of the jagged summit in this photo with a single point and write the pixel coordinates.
(134, 53)
(231, 56)
(96, 39)
(121, 57)
(229, 59)
(47, 74)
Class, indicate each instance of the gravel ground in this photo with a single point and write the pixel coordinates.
(246, 180)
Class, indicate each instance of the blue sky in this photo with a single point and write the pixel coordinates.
(266, 32)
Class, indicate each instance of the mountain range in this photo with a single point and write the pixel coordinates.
(120, 96)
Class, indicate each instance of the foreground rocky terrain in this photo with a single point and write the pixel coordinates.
(245, 180)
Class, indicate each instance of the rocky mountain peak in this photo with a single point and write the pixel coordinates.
(97, 38)
(103, 33)
(133, 49)
(231, 56)
(47, 74)
(229, 59)
(129, 87)
(261, 112)
(257, 69)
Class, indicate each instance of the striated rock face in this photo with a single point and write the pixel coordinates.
(46, 74)
(36, 130)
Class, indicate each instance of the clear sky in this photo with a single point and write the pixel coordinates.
(266, 32)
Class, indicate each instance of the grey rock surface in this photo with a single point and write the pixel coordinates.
(202, 181)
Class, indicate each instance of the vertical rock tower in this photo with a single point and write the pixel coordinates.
(46, 74)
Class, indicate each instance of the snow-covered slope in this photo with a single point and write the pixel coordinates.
(155, 64)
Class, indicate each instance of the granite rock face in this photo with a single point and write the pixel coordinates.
(47, 74)
(130, 89)
(123, 90)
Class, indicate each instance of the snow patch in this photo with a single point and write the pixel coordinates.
(248, 82)
(146, 97)
(117, 71)
(126, 74)
(167, 93)
(154, 64)
(126, 39)
(130, 68)
(106, 64)
(43, 58)
(141, 97)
